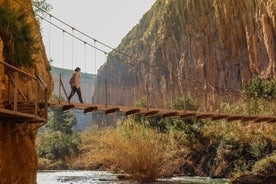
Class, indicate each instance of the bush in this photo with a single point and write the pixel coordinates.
(56, 141)
(266, 166)
(16, 35)
(142, 152)
(261, 88)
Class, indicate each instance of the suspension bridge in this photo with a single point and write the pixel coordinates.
(18, 108)
(36, 111)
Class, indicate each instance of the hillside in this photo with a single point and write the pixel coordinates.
(193, 48)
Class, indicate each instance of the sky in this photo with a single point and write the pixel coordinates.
(107, 21)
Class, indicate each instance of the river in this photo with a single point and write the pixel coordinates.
(101, 177)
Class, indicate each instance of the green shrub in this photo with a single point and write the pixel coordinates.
(16, 35)
(261, 88)
(266, 166)
(57, 141)
(259, 147)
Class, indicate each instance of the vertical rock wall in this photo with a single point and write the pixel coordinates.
(18, 161)
(193, 48)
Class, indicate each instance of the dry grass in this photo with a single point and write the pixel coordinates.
(143, 153)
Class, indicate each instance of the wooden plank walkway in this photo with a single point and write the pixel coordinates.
(19, 117)
(151, 112)
(25, 111)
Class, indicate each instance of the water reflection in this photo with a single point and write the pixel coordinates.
(101, 177)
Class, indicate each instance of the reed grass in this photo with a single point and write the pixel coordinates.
(142, 152)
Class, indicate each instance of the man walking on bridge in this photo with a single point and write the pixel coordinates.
(75, 85)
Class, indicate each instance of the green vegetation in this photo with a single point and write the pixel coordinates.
(181, 103)
(266, 166)
(261, 89)
(16, 35)
(57, 142)
(41, 7)
(151, 148)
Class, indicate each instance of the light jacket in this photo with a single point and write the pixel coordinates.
(77, 79)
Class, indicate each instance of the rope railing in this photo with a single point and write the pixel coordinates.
(203, 99)
(112, 98)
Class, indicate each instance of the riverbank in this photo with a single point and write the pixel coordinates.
(195, 148)
(103, 177)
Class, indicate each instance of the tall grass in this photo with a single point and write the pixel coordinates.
(142, 152)
(266, 166)
(210, 148)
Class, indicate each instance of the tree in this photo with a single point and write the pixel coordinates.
(58, 141)
(261, 88)
(41, 7)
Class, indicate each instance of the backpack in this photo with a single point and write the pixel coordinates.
(72, 80)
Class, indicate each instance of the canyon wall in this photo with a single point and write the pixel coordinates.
(191, 48)
(18, 161)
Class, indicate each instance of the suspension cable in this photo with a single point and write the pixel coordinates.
(85, 74)
(63, 49)
(147, 70)
(95, 55)
(72, 49)
(49, 41)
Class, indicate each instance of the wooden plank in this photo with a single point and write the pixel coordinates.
(90, 109)
(234, 118)
(204, 116)
(7, 114)
(219, 117)
(261, 119)
(132, 111)
(150, 113)
(112, 110)
(248, 118)
(169, 114)
(187, 115)
(67, 107)
(272, 120)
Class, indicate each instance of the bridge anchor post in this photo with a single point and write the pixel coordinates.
(2, 89)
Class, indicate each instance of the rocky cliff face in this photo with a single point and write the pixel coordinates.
(192, 48)
(18, 161)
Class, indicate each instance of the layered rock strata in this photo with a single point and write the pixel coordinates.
(207, 50)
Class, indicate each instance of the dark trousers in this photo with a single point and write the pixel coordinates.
(73, 91)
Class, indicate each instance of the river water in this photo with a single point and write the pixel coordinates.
(101, 177)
